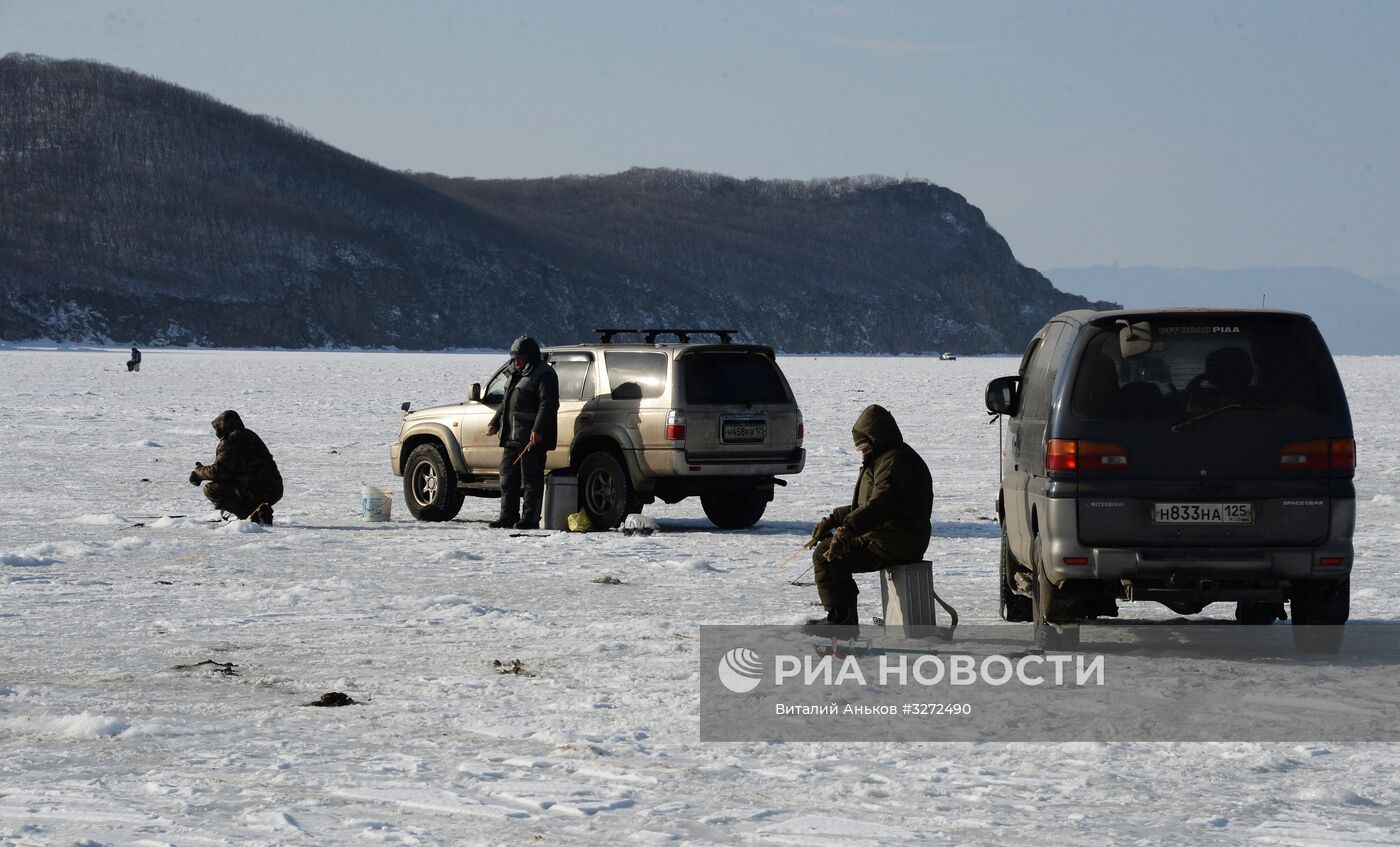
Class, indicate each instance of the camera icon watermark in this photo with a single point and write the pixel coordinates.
(740, 670)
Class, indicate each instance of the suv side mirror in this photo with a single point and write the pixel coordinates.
(1004, 395)
(475, 395)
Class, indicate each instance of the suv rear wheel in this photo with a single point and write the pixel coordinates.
(430, 485)
(734, 510)
(605, 490)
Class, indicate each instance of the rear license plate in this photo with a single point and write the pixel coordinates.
(744, 432)
(1203, 513)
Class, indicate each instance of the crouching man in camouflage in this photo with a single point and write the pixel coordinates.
(888, 521)
(244, 479)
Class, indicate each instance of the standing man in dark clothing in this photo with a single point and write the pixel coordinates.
(888, 521)
(134, 363)
(528, 422)
(244, 478)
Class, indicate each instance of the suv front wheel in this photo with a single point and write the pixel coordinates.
(430, 485)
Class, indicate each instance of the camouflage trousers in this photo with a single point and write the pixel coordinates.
(235, 500)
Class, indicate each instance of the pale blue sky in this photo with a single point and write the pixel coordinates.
(1213, 134)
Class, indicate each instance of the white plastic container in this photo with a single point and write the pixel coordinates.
(375, 503)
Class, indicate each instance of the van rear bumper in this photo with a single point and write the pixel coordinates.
(1060, 533)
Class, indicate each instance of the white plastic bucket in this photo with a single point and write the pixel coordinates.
(375, 503)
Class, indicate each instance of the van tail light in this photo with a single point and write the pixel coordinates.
(1062, 454)
(1068, 454)
(675, 425)
(1338, 454)
(1343, 454)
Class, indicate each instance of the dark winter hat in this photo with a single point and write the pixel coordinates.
(227, 422)
(876, 427)
(525, 347)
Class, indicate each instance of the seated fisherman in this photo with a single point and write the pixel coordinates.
(888, 521)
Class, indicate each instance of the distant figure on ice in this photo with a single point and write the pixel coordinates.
(529, 427)
(134, 363)
(244, 479)
(888, 521)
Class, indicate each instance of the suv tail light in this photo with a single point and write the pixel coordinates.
(1338, 454)
(801, 428)
(1068, 454)
(675, 425)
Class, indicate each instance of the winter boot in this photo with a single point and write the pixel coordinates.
(527, 524)
(503, 523)
(262, 515)
(840, 622)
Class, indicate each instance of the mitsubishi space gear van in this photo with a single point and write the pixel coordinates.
(1186, 457)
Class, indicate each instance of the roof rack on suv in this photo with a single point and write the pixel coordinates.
(726, 336)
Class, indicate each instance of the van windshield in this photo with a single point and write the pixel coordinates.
(1175, 367)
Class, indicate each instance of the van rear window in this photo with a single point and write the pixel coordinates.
(737, 377)
(1174, 367)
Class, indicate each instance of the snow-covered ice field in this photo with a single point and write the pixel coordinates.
(102, 741)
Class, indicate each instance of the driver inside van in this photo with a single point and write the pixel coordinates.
(1225, 381)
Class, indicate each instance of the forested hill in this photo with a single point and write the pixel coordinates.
(138, 211)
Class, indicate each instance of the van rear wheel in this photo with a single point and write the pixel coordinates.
(1049, 634)
(734, 510)
(1254, 613)
(1015, 608)
(1320, 608)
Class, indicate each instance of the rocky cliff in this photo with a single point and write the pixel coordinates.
(139, 211)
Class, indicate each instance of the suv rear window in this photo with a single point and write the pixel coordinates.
(1170, 367)
(721, 378)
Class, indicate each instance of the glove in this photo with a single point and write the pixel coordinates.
(194, 478)
(839, 540)
(823, 528)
